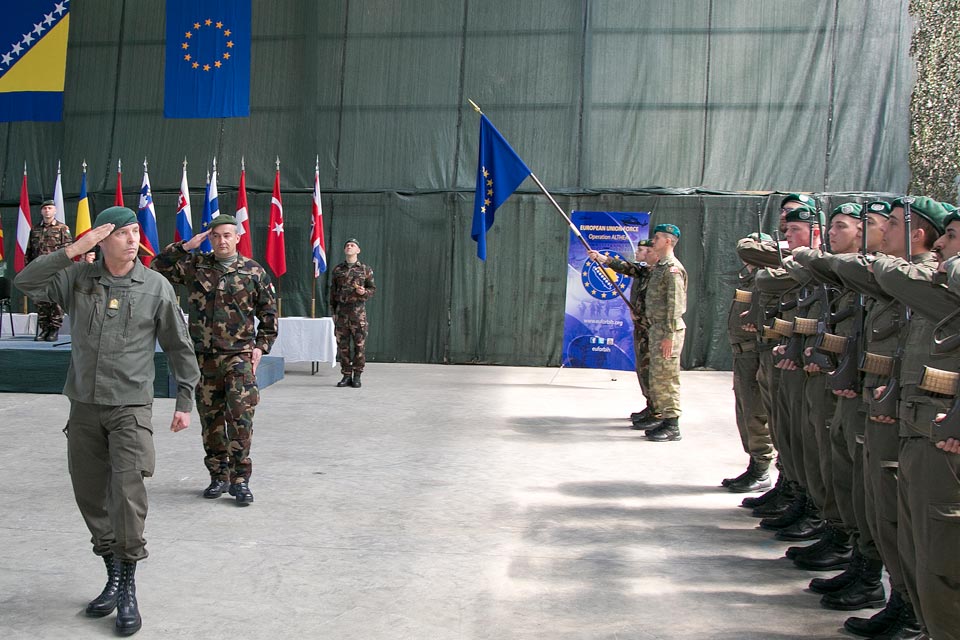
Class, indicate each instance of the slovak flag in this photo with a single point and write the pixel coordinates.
(276, 250)
(23, 225)
(319, 246)
(147, 217)
(184, 228)
(244, 246)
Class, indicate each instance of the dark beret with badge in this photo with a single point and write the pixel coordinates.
(802, 214)
(645, 243)
(672, 229)
(48, 203)
(222, 219)
(349, 240)
(880, 208)
(117, 216)
(929, 209)
(851, 209)
(802, 198)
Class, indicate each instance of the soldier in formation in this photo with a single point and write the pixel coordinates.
(871, 464)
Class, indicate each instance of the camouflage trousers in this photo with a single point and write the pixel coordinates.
(351, 331)
(49, 316)
(641, 355)
(226, 398)
(665, 372)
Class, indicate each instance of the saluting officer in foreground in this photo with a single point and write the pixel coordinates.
(120, 310)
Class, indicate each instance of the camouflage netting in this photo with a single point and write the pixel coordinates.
(935, 109)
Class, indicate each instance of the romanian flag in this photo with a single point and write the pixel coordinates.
(33, 59)
(83, 207)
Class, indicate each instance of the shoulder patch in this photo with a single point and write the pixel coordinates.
(674, 270)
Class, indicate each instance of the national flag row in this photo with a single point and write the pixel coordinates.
(276, 256)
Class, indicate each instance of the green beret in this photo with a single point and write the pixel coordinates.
(48, 203)
(802, 198)
(645, 243)
(851, 209)
(117, 216)
(222, 219)
(928, 209)
(349, 240)
(954, 216)
(949, 207)
(803, 214)
(672, 229)
(879, 207)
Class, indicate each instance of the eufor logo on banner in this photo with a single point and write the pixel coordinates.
(598, 328)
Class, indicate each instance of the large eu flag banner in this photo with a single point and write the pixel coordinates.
(207, 59)
(33, 59)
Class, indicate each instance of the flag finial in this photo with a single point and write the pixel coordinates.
(24, 167)
(214, 164)
(144, 164)
(243, 164)
(184, 163)
(58, 166)
(118, 165)
(316, 167)
(84, 165)
(278, 163)
(474, 105)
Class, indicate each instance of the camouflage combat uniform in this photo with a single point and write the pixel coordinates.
(224, 302)
(44, 239)
(666, 302)
(350, 313)
(640, 273)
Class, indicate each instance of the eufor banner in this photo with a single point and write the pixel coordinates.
(598, 328)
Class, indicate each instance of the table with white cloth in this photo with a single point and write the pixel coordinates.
(306, 340)
(25, 324)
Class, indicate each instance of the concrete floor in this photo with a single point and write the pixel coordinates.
(437, 502)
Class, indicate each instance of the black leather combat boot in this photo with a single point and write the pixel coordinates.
(866, 591)
(128, 612)
(356, 380)
(836, 553)
(216, 488)
(346, 381)
(879, 623)
(241, 491)
(756, 479)
(106, 602)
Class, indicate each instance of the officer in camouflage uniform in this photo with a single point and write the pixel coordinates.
(640, 272)
(350, 287)
(47, 237)
(120, 311)
(666, 302)
(228, 292)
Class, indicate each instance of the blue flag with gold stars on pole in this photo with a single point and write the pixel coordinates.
(207, 59)
(499, 172)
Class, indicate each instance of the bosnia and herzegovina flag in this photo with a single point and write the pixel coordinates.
(33, 59)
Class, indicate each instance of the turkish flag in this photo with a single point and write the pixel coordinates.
(276, 250)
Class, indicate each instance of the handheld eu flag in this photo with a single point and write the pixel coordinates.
(499, 172)
(207, 59)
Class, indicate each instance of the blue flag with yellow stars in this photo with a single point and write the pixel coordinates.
(207, 59)
(33, 60)
(499, 172)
